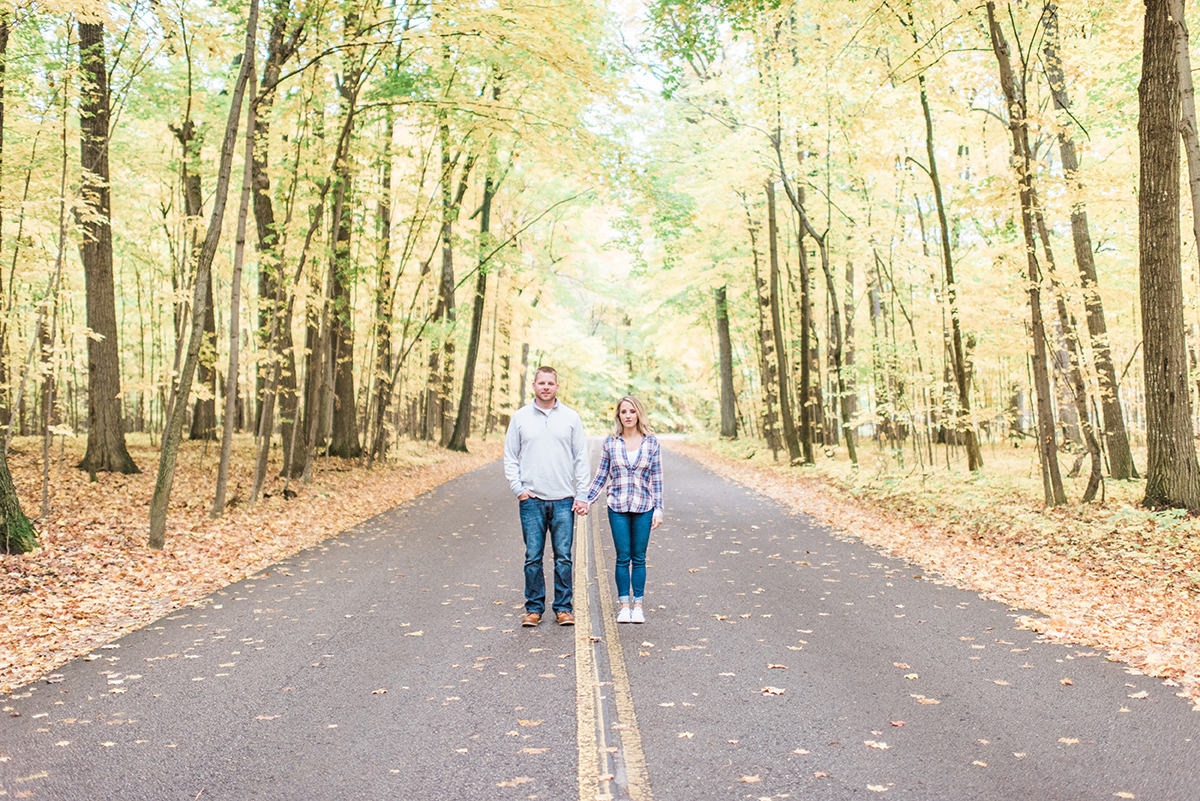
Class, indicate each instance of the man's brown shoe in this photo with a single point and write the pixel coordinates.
(531, 619)
(566, 619)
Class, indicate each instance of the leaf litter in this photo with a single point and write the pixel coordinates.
(93, 578)
(1110, 575)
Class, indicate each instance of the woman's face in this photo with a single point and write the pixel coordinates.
(627, 414)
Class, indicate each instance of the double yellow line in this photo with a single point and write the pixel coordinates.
(597, 782)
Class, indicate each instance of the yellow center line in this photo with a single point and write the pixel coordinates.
(592, 738)
(585, 680)
(636, 775)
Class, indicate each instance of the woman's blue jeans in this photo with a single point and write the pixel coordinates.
(537, 518)
(631, 535)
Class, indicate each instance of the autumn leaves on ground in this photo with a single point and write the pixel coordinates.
(1109, 575)
(94, 578)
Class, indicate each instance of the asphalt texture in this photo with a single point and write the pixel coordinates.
(777, 661)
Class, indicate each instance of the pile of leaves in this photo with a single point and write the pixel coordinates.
(93, 578)
(1110, 575)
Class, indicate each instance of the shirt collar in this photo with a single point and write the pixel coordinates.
(546, 411)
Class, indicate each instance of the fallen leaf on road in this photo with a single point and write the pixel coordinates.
(882, 746)
(1068, 741)
(515, 782)
(529, 722)
(777, 667)
(750, 779)
(877, 788)
(380, 691)
(686, 735)
(773, 691)
(898, 723)
(1142, 694)
(1066, 682)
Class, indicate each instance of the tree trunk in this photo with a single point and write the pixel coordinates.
(725, 346)
(766, 350)
(343, 435)
(441, 364)
(1023, 163)
(808, 411)
(836, 347)
(851, 389)
(18, 535)
(1172, 472)
(106, 449)
(1074, 366)
(274, 329)
(204, 414)
(5, 394)
(963, 423)
(235, 317)
(462, 423)
(1120, 459)
(785, 394)
(174, 428)
(384, 298)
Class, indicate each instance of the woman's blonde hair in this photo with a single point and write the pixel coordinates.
(643, 425)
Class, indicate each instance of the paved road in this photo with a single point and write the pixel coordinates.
(777, 662)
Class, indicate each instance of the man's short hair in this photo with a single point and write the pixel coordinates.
(545, 369)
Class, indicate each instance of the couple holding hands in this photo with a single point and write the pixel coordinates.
(547, 467)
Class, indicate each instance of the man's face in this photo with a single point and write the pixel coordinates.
(545, 387)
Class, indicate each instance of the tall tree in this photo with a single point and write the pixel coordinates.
(174, 427)
(1022, 159)
(343, 435)
(5, 396)
(1172, 471)
(725, 365)
(958, 353)
(106, 450)
(790, 440)
(235, 315)
(462, 422)
(274, 330)
(1120, 459)
(767, 356)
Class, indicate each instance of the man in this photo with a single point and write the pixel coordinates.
(546, 464)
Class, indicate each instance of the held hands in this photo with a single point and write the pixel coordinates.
(581, 507)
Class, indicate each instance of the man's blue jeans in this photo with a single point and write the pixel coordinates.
(537, 518)
(631, 535)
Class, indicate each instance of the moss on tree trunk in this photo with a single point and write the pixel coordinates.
(18, 535)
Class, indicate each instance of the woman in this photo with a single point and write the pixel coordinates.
(632, 459)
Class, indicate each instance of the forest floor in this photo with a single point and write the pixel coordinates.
(94, 578)
(1110, 575)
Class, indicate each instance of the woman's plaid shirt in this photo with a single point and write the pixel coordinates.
(633, 485)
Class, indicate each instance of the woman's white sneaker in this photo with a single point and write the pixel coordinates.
(637, 615)
(623, 615)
